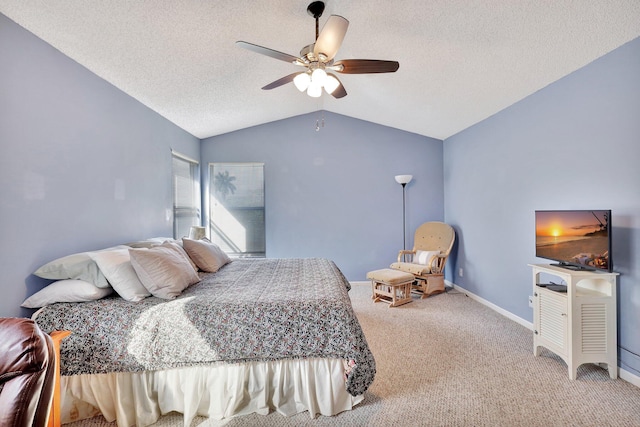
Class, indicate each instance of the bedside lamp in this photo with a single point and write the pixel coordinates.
(197, 233)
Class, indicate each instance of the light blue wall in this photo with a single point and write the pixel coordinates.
(82, 165)
(332, 193)
(573, 145)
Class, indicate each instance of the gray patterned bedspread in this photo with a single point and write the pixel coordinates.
(264, 309)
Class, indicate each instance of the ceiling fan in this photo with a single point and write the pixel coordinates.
(318, 59)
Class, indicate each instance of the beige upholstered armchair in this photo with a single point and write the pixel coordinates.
(431, 247)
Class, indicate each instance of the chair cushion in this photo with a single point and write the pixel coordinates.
(392, 277)
(409, 267)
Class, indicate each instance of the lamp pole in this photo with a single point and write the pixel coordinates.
(404, 180)
(404, 228)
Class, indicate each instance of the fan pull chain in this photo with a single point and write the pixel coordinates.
(320, 123)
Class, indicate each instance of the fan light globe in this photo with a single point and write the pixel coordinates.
(314, 90)
(318, 77)
(331, 84)
(302, 81)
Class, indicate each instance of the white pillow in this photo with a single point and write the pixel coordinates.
(116, 267)
(164, 271)
(424, 257)
(70, 290)
(147, 243)
(207, 255)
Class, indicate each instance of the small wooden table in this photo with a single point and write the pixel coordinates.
(54, 415)
(391, 286)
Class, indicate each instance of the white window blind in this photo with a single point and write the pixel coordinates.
(186, 194)
(236, 208)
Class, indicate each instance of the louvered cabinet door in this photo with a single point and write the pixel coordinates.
(552, 329)
(594, 336)
(593, 328)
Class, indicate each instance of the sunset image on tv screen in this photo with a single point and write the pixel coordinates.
(575, 237)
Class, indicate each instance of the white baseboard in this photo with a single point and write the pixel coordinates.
(629, 377)
(362, 282)
(492, 306)
(623, 374)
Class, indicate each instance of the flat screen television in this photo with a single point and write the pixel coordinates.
(576, 239)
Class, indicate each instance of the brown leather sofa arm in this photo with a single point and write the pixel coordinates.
(27, 373)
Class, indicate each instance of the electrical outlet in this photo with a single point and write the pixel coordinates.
(530, 301)
(461, 272)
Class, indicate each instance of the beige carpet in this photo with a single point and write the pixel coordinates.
(450, 361)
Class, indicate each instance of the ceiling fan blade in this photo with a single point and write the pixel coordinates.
(330, 38)
(365, 66)
(269, 52)
(340, 91)
(283, 81)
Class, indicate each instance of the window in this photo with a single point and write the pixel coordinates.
(186, 194)
(236, 208)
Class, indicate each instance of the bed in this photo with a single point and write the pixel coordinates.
(258, 335)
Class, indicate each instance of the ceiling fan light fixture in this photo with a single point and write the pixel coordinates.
(302, 81)
(331, 84)
(318, 77)
(314, 90)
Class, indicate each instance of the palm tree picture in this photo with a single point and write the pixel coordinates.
(223, 183)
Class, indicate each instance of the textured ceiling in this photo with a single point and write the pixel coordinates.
(461, 61)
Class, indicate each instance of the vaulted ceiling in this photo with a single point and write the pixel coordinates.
(461, 61)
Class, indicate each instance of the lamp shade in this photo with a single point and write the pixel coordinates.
(302, 81)
(331, 83)
(197, 232)
(404, 179)
(318, 77)
(314, 90)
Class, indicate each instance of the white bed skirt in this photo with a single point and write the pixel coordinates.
(218, 391)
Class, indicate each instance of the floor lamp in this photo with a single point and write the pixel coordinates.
(403, 180)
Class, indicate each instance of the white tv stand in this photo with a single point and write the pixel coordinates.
(579, 325)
